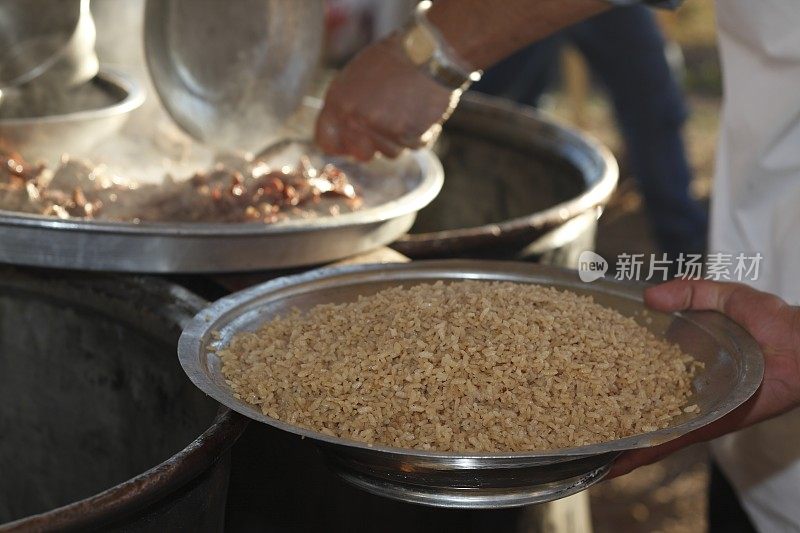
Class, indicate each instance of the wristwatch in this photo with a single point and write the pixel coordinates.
(426, 47)
(667, 4)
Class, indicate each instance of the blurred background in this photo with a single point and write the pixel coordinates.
(664, 129)
(669, 496)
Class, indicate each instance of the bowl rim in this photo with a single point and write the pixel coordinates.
(134, 97)
(412, 200)
(191, 346)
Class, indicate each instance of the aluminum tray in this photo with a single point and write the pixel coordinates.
(197, 248)
(733, 372)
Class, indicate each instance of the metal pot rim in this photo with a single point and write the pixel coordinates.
(599, 188)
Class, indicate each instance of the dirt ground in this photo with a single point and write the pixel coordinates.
(668, 497)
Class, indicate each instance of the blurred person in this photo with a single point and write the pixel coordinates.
(648, 105)
(396, 93)
(350, 25)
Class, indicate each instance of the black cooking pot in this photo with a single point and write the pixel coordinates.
(99, 427)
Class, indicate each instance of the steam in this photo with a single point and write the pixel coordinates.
(150, 145)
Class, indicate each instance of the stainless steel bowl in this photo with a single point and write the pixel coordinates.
(46, 43)
(733, 372)
(393, 192)
(230, 73)
(47, 137)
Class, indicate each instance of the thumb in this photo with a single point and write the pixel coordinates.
(753, 310)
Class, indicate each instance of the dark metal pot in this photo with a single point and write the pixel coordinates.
(516, 184)
(99, 427)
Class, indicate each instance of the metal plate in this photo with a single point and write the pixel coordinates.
(195, 248)
(733, 371)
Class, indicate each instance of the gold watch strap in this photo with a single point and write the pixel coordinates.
(425, 47)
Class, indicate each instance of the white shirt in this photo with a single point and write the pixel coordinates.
(756, 209)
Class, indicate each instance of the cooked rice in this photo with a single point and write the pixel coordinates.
(463, 366)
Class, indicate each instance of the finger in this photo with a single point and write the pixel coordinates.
(743, 304)
(399, 133)
(387, 147)
(630, 461)
(360, 148)
(404, 132)
(411, 141)
(397, 137)
(357, 142)
(679, 295)
(327, 133)
(430, 136)
(382, 143)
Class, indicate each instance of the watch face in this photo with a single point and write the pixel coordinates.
(419, 45)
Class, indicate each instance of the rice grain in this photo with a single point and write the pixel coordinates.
(463, 366)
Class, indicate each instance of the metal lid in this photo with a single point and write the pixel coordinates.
(230, 73)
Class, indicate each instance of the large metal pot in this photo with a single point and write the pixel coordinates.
(517, 184)
(100, 428)
(231, 73)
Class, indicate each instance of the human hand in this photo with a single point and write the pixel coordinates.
(773, 323)
(381, 102)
